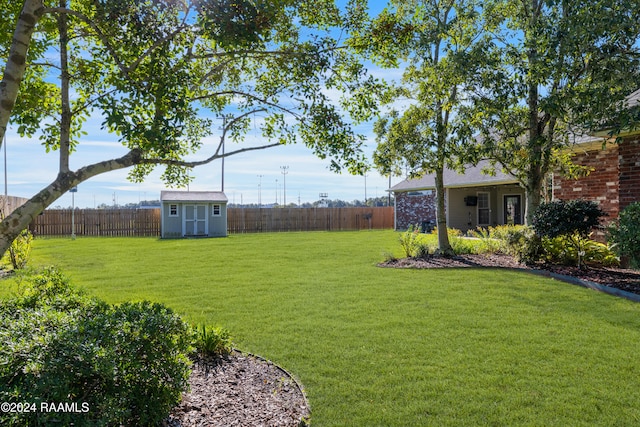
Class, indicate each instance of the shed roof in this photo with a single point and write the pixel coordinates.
(472, 177)
(193, 196)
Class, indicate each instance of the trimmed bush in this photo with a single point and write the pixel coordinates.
(624, 234)
(112, 365)
(566, 218)
(573, 219)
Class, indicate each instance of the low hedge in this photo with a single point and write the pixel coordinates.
(69, 359)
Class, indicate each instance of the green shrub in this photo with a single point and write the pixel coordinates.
(119, 365)
(424, 248)
(211, 341)
(519, 241)
(19, 252)
(624, 235)
(463, 246)
(573, 219)
(458, 242)
(488, 243)
(562, 250)
(566, 218)
(409, 240)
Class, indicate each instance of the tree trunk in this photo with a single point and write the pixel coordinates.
(533, 197)
(17, 60)
(65, 113)
(444, 247)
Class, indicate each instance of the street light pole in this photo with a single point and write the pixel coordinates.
(284, 184)
(73, 191)
(260, 191)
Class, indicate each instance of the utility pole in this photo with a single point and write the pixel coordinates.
(284, 183)
(365, 189)
(260, 191)
(224, 125)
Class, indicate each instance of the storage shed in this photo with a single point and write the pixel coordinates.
(193, 214)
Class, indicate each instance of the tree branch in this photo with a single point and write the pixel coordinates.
(187, 164)
(248, 96)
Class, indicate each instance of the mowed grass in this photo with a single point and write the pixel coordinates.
(387, 347)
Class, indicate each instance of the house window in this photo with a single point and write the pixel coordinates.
(216, 210)
(173, 210)
(484, 211)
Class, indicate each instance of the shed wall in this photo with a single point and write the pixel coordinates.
(172, 226)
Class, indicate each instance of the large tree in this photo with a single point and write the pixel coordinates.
(556, 69)
(437, 42)
(159, 72)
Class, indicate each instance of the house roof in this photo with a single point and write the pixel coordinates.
(193, 196)
(633, 100)
(472, 177)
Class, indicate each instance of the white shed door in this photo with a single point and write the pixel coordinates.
(195, 220)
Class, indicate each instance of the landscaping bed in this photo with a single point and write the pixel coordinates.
(240, 389)
(619, 278)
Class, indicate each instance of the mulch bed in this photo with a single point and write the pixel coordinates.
(619, 278)
(240, 390)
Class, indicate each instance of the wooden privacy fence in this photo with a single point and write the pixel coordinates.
(308, 219)
(98, 222)
(9, 204)
(146, 222)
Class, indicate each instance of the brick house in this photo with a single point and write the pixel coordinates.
(475, 200)
(614, 180)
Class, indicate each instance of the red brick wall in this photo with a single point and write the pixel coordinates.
(413, 210)
(601, 185)
(629, 158)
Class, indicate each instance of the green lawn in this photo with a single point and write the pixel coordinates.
(373, 346)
